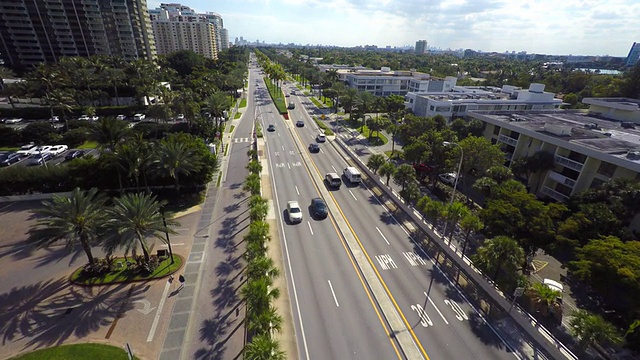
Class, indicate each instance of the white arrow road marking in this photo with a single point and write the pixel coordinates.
(435, 307)
(156, 319)
(385, 239)
(146, 308)
(333, 293)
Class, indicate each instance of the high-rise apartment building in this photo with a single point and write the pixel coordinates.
(421, 47)
(634, 55)
(225, 39)
(43, 31)
(178, 27)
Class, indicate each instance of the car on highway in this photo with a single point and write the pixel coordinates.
(319, 208)
(13, 121)
(121, 117)
(58, 149)
(291, 106)
(294, 212)
(74, 154)
(321, 138)
(40, 159)
(11, 158)
(300, 123)
(271, 127)
(286, 95)
(333, 180)
(314, 148)
(448, 178)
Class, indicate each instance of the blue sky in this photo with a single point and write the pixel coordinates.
(578, 27)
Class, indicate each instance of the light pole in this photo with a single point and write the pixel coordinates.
(455, 183)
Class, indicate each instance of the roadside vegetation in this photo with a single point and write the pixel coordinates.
(77, 352)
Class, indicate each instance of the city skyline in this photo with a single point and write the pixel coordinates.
(543, 27)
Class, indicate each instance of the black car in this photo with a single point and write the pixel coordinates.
(271, 128)
(291, 106)
(314, 148)
(10, 159)
(319, 208)
(74, 154)
(300, 123)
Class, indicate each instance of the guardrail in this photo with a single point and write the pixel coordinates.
(525, 322)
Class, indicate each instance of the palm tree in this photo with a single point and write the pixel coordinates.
(6, 73)
(411, 192)
(252, 184)
(501, 252)
(544, 296)
(254, 167)
(78, 218)
(375, 162)
(218, 103)
(388, 169)
(175, 158)
(108, 132)
(264, 322)
(263, 347)
(364, 102)
(134, 158)
(453, 213)
(259, 211)
(470, 223)
(591, 328)
(262, 266)
(133, 219)
(61, 100)
(403, 175)
(258, 293)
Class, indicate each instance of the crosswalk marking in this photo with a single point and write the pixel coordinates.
(241, 140)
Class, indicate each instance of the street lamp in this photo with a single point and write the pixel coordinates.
(455, 182)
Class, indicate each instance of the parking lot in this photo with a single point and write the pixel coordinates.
(54, 161)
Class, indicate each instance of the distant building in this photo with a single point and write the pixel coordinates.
(421, 47)
(461, 100)
(178, 27)
(34, 32)
(385, 82)
(620, 109)
(587, 151)
(634, 55)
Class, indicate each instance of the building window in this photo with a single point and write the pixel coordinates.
(606, 169)
(496, 130)
(596, 183)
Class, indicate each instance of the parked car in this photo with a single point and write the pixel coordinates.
(94, 118)
(40, 150)
(314, 148)
(180, 117)
(84, 118)
(121, 117)
(25, 150)
(74, 155)
(11, 158)
(319, 208)
(448, 178)
(37, 160)
(13, 121)
(138, 117)
(54, 119)
(294, 212)
(321, 138)
(58, 149)
(300, 123)
(271, 127)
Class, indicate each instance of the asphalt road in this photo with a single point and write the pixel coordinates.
(442, 322)
(334, 315)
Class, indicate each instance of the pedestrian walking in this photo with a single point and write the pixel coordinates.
(182, 280)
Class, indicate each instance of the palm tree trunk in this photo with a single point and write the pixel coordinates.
(177, 184)
(87, 249)
(115, 90)
(144, 250)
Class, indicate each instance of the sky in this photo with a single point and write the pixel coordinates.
(554, 27)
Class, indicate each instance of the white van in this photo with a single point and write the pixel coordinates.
(352, 174)
(138, 117)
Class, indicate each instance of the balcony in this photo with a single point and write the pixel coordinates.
(554, 194)
(561, 179)
(507, 140)
(566, 162)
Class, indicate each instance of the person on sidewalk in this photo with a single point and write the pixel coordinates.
(182, 280)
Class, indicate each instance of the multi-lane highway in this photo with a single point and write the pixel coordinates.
(337, 316)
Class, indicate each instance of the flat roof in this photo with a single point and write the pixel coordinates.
(602, 135)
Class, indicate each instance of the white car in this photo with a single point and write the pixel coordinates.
(25, 150)
(54, 119)
(448, 178)
(180, 117)
(12, 121)
(58, 149)
(321, 138)
(121, 117)
(40, 150)
(84, 118)
(94, 118)
(294, 212)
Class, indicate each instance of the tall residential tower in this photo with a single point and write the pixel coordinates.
(421, 47)
(634, 54)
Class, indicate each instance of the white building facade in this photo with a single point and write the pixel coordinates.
(385, 82)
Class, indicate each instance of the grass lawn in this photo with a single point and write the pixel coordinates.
(317, 103)
(9, 148)
(258, 131)
(226, 149)
(378, 139)
(396, 154)
(77, 352)
(323, 126)
(231, 128)
(238, 115)
(88, 145)
(125, 275)
(243, 102)
(219, 179)
(278, 97)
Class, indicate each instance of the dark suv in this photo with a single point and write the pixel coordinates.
(319, 208)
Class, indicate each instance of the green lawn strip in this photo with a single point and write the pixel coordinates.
(231, 128)
(219, 179)
(378, 139)
(125, 275)
(396, 153)
(258, 131)
(243, 102)
(238, 115)
(86, 351)
(323, 126)
(9, 148)
(278, 97)
(317, 103)
(226, 149)
(88, 145)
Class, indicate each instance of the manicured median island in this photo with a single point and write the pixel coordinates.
(77, 352)
(120, 271)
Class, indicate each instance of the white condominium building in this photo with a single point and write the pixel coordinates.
(385, 82)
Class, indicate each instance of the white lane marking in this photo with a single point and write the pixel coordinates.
(321, 151)
(385, 239)
(278, 134)
(310, 229)
(333, 293)
(172, 244)
(353, 195)
(298, 192)
(289, 165)
(435, 307)
(334, 169)
(156, 319)
(282, 148)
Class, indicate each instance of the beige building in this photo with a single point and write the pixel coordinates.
(178, 27)
(34, 32)
(587, 150)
